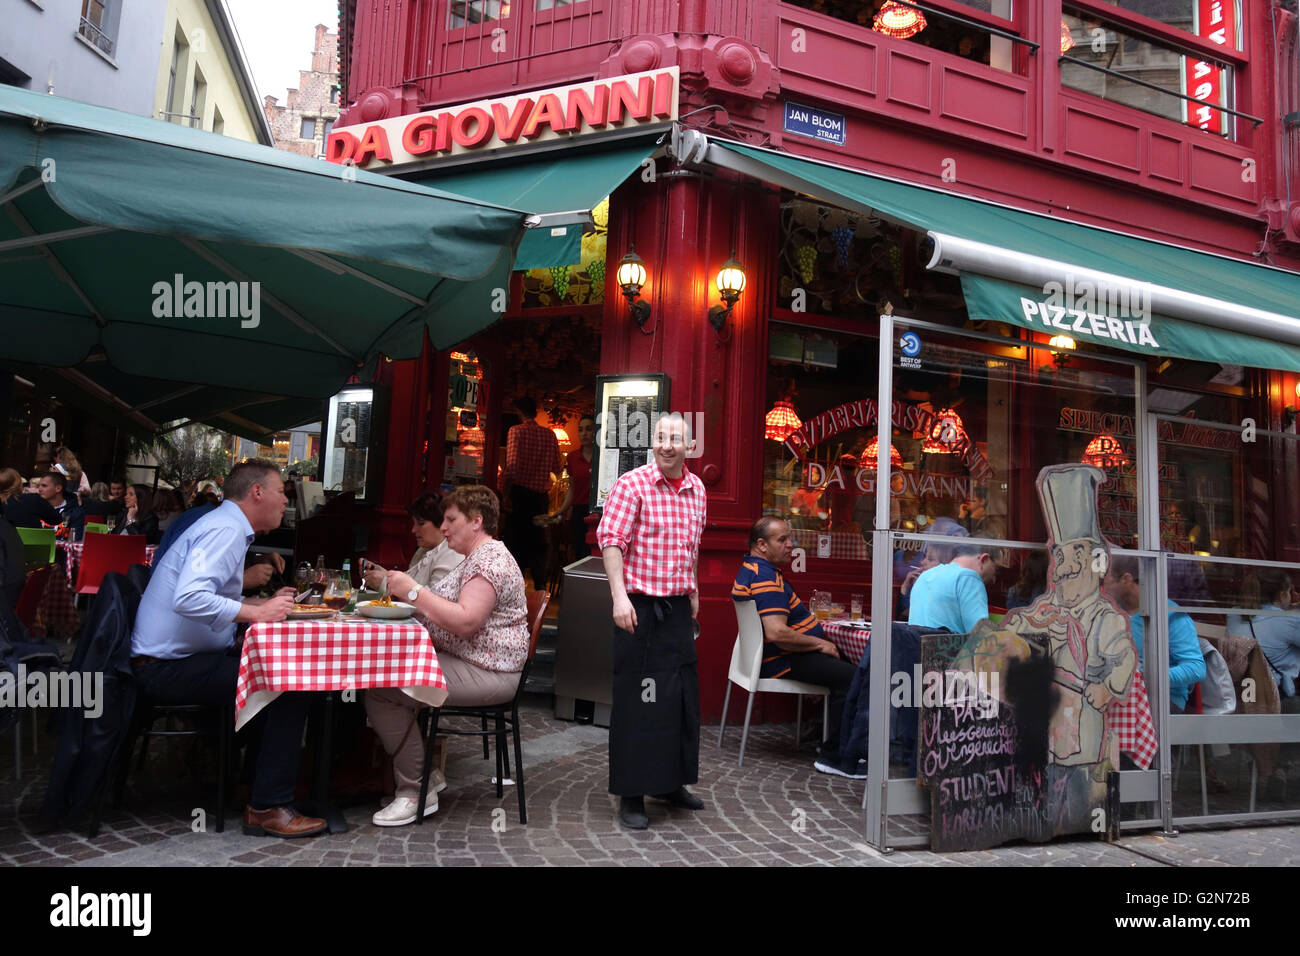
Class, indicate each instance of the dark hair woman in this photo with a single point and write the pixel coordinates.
(1032, 583)
(139, 517)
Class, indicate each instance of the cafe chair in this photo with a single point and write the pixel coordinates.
(746, 664)
(38, 546)
(108, 552)
(504, 716)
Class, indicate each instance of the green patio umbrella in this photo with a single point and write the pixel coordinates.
(168, 255)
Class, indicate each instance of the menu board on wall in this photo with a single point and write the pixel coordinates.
(627, 407)
(347, 455)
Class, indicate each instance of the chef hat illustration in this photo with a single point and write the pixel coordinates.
(1069, 497)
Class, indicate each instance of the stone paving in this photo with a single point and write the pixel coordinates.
(776, 810)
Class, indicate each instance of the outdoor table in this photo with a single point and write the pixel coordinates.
(849, 637)
(335, 654)
(1130, 716)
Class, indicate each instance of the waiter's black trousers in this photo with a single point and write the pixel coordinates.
(654, 724)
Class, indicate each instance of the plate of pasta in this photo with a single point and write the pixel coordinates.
(385, 609)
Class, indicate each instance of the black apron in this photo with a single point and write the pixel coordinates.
(654, 728)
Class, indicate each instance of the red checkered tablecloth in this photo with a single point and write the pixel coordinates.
(1131, 718)
(339, 654)
(72, 557)
(851, 641)
(844, 545)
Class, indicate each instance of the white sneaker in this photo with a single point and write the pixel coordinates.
(402, 811)
(437, 782)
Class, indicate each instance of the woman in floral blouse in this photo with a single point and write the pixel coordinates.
(478, 618)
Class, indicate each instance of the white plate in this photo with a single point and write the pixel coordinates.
(397, 612)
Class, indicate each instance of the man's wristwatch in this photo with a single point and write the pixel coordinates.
(412, 594)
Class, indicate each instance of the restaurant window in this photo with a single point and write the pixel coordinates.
(1128, 69)
(466, 406)
(959, 27)
(582, 283)
(462, 13)
(835, 262)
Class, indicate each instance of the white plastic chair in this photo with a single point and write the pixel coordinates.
(747, 661)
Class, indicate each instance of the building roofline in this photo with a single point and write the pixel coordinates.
(239, 66)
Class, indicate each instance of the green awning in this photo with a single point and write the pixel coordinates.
(561, 187)
(181, 255)
(1207, 281)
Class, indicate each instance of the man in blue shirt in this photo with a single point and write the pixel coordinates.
(1186, 662)
(794, 645)
(183, 645)
(954, 595)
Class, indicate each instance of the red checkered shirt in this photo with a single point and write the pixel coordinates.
(532, 456)
(657, 529)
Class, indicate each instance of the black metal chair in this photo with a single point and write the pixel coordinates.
(504, 717)
(147, 714)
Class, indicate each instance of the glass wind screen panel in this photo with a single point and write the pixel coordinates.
(975, 422)
(1226, 492)
(464, 12)
(1218, 21)
(1131, 59)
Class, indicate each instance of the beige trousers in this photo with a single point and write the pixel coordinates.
(392, 714)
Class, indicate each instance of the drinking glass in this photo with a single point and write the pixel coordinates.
(821, 603)
(338, 592)
(855, 607)
(303, 577)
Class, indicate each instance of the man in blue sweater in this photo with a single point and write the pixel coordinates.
(1186, 663)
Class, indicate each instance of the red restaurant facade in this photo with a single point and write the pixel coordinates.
(1174, 123)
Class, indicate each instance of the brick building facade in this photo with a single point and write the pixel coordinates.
(302, 124)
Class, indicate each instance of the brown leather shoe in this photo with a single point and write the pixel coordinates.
(281, 822)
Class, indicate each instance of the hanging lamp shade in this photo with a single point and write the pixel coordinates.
(897, 20)
(1105, 451)
(561, 435)
(781, 420)
(946, 432)
(868, 459)
(1067, 38)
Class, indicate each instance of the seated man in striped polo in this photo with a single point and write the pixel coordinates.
(794, 644)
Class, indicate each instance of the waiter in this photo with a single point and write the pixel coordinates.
(649, 536)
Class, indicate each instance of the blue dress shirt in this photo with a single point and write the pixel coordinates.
(1186, 662)
(194, 592)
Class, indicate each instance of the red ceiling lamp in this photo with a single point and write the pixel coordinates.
(781, 420)
(561, 435)
(868, 459)
(946, 432)
(898, 20)
(1105, 451)
(1067, 38)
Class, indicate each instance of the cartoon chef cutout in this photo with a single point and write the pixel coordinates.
(1079, 629)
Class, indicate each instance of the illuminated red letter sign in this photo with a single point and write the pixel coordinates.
(374, 144)
(340, 147)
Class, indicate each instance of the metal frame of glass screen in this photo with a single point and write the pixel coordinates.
(1235, 729)
(901, 797)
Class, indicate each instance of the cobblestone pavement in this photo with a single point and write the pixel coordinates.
(776, 810)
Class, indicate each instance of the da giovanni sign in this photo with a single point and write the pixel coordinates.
(620, 102)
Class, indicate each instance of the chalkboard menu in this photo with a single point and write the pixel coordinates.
(983, 751)
(627, 407)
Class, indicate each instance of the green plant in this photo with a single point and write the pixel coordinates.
(189, 454)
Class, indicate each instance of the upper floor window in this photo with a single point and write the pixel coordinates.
(308, 128)
(465, 12)
(1126, 68)
(980, 30)
(99, 23)
(1218, 21)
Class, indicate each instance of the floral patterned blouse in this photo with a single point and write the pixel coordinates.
(501, 644)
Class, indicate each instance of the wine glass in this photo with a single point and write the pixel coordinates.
(338, 592)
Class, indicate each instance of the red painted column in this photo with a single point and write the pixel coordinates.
(685, 227)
